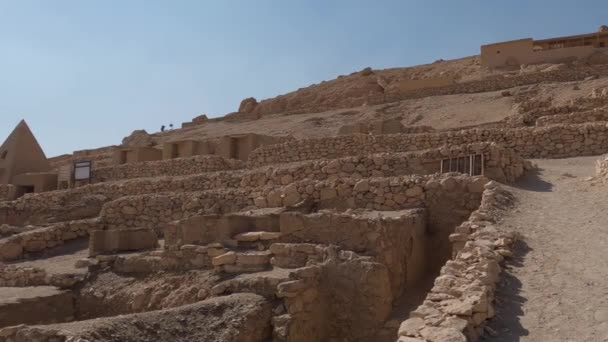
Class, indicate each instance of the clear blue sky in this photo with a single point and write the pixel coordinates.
(86, 73)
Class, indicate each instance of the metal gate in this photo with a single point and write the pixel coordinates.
(471, 165)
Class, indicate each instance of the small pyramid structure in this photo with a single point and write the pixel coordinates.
(20, 153)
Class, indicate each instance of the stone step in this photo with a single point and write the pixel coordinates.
(263, 283)
(242, 261)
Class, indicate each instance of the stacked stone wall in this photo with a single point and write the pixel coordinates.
(18, 276)
(501, 165)
(462, 298)
(397, 240)
(170, 167)
(155, 210)
(36, 240)
(557, 141)
(392, 193)
(599, 114)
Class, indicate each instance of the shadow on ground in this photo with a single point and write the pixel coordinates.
(532, 181)
(509, 304)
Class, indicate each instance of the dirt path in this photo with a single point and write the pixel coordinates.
(556, 288)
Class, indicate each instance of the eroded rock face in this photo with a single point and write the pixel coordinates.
(234, 318)
(248, 105)
(139, 138)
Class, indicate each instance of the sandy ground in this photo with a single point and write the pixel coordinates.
(556, 288)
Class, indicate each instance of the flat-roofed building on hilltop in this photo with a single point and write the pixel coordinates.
(552, 50)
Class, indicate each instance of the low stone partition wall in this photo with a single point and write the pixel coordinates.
(461, 300)
(391, 193)
(36, 240)
(501, 164)
(156, 210)
(397, 239)
(121, 240)
(18, 276)
(187, 257)
(598, 114)
(556, 141)
(169, 167)
(50, 207)
(206, 229)
(7, 192)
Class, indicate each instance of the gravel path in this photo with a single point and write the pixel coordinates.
(556, 288)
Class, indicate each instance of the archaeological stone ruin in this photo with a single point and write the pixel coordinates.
(386, 226)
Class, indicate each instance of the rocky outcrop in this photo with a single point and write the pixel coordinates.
(139, 138)
(248, 105)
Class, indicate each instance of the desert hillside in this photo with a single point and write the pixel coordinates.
(494, 97)
(435, 203)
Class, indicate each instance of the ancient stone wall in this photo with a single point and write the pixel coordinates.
(170, 167)
(187, 257)
(393, 193)
(397, 240)
(387, 126)
(598, 114)
(36, 240)
(51, 207)
(22, 276)
(462, 298)
(557, 141)
(501, 164)
(206, 229)
(155, 210)
(449, 199)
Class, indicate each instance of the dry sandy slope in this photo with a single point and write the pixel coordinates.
(439, 112)
(556, 289)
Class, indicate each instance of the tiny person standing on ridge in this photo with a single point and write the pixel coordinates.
(162, 128)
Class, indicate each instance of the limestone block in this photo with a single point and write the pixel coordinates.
(253, 258)
(224, 259)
